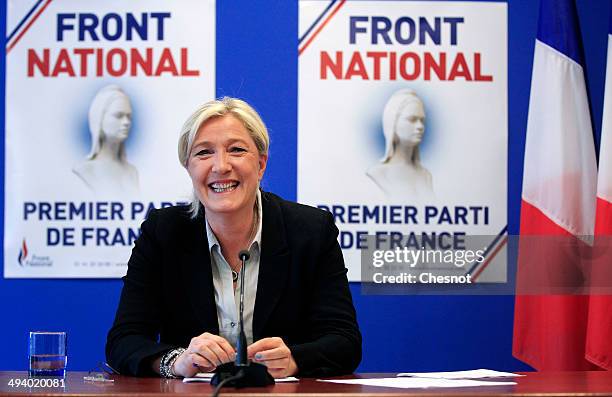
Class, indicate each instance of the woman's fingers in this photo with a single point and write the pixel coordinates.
(263, 345)
(214, 348)
(273, 353)
(275, 364)
(204, 353)
(202, 363)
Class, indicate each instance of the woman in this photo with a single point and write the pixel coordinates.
(401, 175)
(106, 170)
(182, 279)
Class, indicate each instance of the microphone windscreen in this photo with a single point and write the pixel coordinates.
(244, 255)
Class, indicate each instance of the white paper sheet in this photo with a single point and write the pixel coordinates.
(206, 377)
(471, 374)
(417, 383)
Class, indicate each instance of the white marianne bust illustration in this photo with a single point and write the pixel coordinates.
(400, 174)
(106, 170)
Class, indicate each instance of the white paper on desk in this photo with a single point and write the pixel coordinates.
(207, 376)
(417, 383)
(200, 377)
(471, 374)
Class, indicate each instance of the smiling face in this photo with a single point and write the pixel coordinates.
(117, 119)
(410, 125)
(225, 167)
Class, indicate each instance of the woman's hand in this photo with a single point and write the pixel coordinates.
(205, 353)
(274, 354)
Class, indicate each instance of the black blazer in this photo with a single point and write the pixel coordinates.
(302, 291)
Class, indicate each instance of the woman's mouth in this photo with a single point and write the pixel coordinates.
(222, 187)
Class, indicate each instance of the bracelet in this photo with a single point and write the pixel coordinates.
(167, 361)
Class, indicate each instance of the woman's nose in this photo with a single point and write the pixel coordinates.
(221, 163)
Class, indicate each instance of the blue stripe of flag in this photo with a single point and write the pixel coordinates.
(558, 28)
(610, 24)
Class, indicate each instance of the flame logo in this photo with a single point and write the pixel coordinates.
(23, 253)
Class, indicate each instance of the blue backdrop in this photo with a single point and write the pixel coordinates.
(257, 60)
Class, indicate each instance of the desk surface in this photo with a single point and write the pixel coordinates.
(534, 384)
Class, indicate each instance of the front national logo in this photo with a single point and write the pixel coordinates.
(23, 253)
(33, 260)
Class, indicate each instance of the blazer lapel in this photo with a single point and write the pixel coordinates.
(273, 265)
(197, 275)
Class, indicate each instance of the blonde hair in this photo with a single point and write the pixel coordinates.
(391, 114)
(217, 108)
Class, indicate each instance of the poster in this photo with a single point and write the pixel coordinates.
(402, 124)
(96, 94)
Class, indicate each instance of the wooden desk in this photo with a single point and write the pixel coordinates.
(534, 384)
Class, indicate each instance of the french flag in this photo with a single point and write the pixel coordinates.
(558, 199)
(599, 331)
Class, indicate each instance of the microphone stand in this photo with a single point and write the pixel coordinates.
(242, 372)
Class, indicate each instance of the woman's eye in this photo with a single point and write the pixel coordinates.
(203, 152)
(237, 149)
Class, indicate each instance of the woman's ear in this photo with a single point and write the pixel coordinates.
(263, 162)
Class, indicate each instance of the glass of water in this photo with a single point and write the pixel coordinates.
(47, 354)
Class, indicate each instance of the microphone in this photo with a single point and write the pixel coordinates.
(242, 372)
(241, 344)
(244, 256)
